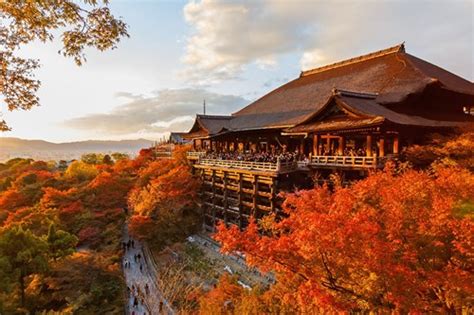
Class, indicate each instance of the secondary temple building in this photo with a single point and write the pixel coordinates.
(347, 117)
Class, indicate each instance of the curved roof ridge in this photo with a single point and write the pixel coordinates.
(359, 94)
(213, 116)
(395, 49)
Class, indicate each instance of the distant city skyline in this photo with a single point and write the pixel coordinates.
(228, 53)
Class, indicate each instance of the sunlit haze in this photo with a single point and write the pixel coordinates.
(228, 53)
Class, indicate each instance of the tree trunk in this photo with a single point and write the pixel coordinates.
(22, 289)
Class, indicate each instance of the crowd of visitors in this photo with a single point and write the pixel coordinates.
(142, 293)
(282, 156)
(256, 156)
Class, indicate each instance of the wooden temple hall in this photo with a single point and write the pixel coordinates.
(347, 117)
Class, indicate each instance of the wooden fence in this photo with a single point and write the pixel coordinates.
(347, 161)
(250, 165)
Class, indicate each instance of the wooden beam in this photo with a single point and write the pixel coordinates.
(214, 198)
(240, 201)
(226, 201)
(395, 144)
(382, 146)
(273, 195)
(369, 145)
(254, 195)
(315, 145)
(341, 146)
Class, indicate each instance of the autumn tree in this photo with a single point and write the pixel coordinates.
(163, 200)
(388, 243)
(23, 254)
(80, 171)
(92, 158)
(81, 24)
(452, 149)
(117, 156)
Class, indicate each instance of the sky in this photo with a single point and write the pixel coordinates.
(229, 53)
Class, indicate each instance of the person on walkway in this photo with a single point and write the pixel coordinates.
(141, 268)
(147, 289)
(133, 244)
(135, 302)
(161, 307)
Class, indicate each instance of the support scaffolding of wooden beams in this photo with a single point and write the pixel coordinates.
(233, 196)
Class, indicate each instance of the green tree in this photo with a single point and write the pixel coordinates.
(117, 156)
(81, 24)
(24, 254)
(81, 171)
(107, 160)
(92, 158)
(62, 165)
(61, 243)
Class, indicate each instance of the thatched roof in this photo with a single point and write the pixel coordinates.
(390, 74)
(347, 110)
(207, 125)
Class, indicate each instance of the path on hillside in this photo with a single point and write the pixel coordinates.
(138, 278)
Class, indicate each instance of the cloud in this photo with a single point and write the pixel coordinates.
(227, 37)
(312, 59)
(273, 82)
(165, 110)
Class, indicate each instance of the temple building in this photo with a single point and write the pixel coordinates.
(347, 117)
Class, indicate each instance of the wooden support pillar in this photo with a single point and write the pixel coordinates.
(202, 190)
(226, 201)
(241, 217)
(315, 145)
(273, 195)
(255, 194)
(301, 148)
(382, 146)
(213, 199)
(369, 145)
(328, 143)
(341, 146)
(395, 144)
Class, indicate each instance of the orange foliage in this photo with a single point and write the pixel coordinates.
(389, 242)
(141, 227)
(163, 200)
(223, 298)
(164, 185)
(109, 190)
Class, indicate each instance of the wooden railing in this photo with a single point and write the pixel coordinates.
(345, 161)
(280, 166)
(194, 155)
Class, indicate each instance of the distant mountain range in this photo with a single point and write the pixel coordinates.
(40, 149)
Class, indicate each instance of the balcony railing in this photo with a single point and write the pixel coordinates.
(344, 161)
(194, 155)
(280, 167)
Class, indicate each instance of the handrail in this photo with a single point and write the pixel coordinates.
(280, 166)
(196, 153)
(349, 161)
